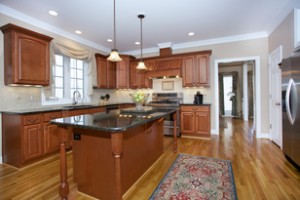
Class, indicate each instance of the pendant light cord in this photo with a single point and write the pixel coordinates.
(115, 24)
(141, 16)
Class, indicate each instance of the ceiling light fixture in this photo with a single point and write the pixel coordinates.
(191, 33)
(114, 55)
(53, 13)
(78, 32)
(141, 64)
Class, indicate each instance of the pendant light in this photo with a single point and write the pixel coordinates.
(114, 55)
(141, 64)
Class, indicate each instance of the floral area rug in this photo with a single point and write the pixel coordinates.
(197, 178)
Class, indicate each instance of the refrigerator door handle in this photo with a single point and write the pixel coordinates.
(290, 97)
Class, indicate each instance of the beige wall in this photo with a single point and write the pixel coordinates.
(241, 49)
(283, 35)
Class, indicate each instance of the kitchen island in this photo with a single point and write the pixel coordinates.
(111, 151)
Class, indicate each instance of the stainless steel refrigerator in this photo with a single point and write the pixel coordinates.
(290, 69)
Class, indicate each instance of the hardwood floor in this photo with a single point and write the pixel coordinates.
(260, 169)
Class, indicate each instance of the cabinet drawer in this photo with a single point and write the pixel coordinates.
(52, 115)
(194, 108)
(31, 119)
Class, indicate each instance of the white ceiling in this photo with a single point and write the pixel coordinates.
(166, 21)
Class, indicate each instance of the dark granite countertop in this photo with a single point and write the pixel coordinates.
(114, 121)
(56, 108)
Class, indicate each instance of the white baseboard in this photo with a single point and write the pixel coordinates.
(1, 160)
(263, 135)
(214, 132)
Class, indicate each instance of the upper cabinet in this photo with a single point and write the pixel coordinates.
(26, 56)
(195, 70)
(138, 78)
(123, 72)
(106, 73)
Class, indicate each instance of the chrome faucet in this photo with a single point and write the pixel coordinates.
(76, 96)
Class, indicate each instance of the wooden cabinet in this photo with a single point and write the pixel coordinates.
(127, 105)
(25, 52)
(195, 120)
(32, 138)
(28, 138)
(52, 133)
(106, 72)
(138, 78)
(195, 70)
(123, 72)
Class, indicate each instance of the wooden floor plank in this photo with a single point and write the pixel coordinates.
(261, 171)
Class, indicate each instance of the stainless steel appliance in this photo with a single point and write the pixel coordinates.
(291, 107)
(165, 101)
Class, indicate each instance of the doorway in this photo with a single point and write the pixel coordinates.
(256, 99)
(228, 95)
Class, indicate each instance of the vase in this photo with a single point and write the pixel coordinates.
(139, 105)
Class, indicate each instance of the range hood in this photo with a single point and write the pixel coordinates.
(164, 68)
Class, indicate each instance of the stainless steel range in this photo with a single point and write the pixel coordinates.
(165, 101)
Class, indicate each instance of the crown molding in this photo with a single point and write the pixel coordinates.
(200, 43)
(40, 24)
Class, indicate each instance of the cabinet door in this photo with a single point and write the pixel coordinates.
(122, 73)
(32, 142)
(52, 138)
(101, 71)
(188, 71)
(202, 70)
(202, 123)
(187, 122)
(111, 75)
(134, 82)
(33, 57)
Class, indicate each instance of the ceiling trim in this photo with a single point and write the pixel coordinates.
(40, 24)
(208, 42)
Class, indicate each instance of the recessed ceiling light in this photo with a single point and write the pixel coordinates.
(191, 33)
(53, 13)
(78, 32)
(137, 43)
(109, 40)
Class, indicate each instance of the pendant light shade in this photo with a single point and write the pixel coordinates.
(141, 64)
(114, 55)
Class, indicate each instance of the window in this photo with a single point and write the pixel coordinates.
(68, 76)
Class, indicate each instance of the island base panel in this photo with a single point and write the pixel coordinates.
(94, 160)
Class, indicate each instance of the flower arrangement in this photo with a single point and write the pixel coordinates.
(139, 98)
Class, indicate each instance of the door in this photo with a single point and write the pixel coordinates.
(275, 111)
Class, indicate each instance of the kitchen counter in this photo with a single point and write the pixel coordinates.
(111, 151)
(58, 108)
(115, 120)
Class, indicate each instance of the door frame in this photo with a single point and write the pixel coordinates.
(257, 108)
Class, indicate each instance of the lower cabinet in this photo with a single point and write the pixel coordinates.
(32, 142)
(195, 120)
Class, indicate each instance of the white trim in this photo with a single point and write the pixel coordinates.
(213, 131)
(296, 29)
(45, 26)
(263, 135)
(221, 40)
(257, 90)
